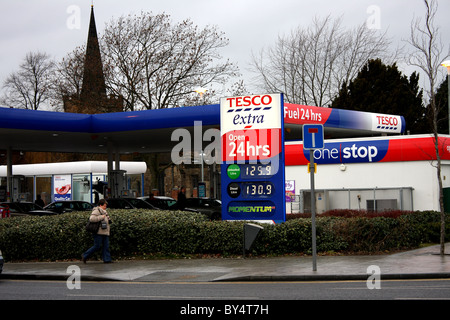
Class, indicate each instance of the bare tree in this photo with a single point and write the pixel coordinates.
(68, 75)
(428, 53)
(154, 63)
(310, 65)
(29, 88)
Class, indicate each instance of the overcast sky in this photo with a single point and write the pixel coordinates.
(51, 25)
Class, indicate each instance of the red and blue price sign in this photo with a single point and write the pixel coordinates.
(252, 158)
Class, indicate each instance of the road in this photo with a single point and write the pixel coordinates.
(436, 289)
(220, 300)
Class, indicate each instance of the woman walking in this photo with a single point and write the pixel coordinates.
(101, 238)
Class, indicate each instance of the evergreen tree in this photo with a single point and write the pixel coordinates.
(383, 89)
(442, 106)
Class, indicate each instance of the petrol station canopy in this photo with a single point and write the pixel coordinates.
(150, 131)
(75, 167)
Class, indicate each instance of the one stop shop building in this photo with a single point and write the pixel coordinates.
(367, 163)
(379, 173)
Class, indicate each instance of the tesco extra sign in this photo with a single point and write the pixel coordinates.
(351, 152)
(247, 101)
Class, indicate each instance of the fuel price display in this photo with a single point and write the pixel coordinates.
(249, 171)
(252, 171)
(258, 189)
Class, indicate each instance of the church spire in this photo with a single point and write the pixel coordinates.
(93, 97)
(93, 78)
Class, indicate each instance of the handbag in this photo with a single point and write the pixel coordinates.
(92, 227)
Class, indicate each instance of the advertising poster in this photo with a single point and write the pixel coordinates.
(62, 187)
(290, 190)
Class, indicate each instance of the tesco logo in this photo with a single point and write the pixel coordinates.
(245, 101)
(351, 152)
(387, 121)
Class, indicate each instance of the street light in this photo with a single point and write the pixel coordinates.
(446, 64)
(201, 91)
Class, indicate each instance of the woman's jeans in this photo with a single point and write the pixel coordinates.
(100, 241)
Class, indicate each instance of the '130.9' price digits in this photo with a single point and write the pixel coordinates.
(258, 189)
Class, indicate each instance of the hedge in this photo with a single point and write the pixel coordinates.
(164, 233)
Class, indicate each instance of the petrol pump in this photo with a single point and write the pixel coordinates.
(117, 184)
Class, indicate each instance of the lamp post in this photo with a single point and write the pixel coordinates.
(446, 64)
(202, 154)
(201, 91)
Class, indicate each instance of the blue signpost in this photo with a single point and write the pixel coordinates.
(313, 138)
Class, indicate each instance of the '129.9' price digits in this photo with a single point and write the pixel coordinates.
(250, 171)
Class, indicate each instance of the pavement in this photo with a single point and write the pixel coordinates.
(423, 263)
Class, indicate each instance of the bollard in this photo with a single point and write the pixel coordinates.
(250, 233)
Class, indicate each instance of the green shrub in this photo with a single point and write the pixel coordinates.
(165, 233)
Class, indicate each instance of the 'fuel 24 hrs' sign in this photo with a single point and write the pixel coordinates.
(252, 177)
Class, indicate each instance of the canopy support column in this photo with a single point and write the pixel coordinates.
(9, 175)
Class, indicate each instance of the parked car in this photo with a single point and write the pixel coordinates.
(4, 211)
(210, 207)
(69, 206)
(166, 203)
(139, 203)
(17, 209)
(119, 203)
(161, 202)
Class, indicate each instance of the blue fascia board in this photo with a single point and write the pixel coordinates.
(108, 122)
(23, 119)
(156, 119)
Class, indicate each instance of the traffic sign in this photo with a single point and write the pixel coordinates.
(313, 136)
(312, 140)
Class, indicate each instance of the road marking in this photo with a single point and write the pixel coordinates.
(161, 297)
